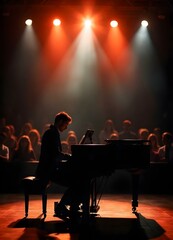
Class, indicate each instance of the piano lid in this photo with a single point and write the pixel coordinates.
(116, 154)
(128, 141)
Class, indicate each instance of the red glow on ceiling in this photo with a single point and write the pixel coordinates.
(117, 49)
(56, 46)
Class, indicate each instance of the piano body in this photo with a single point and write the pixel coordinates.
(103, 159)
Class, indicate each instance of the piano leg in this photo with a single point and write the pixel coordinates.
(94, 206)
(135, 187)
(86, 203)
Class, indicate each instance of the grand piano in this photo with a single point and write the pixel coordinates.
(103, 159)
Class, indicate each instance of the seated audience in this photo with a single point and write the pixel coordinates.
(106, 132)
(10, 141)
(24, 151)
(114, 136)
(4, 150)
(26, 128)
(65, 147)
(127, 132)
(154, 156)
(166, 151)
(34, 136)
(4, 162)
(71, 140)
(143, 133)
(158, 133)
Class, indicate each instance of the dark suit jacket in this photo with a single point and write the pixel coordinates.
(50, 155)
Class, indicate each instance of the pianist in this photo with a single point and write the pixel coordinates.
(55, 166)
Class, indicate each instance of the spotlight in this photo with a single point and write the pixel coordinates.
(28, 22)
(87, 23)
(144, 23)
(113, 23)
(56, 22)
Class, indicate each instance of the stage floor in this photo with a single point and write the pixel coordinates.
(114, 220)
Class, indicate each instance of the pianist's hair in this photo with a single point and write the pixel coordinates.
(63, 116)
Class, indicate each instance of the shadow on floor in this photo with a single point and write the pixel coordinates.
(97, 229)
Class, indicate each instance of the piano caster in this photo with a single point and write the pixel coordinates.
(94, 209)
(134, 210)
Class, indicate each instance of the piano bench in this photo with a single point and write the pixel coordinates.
(33, 186)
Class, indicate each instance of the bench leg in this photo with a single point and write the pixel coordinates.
(26, 204)
(44, 203)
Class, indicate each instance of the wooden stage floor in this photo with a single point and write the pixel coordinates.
(114, 220)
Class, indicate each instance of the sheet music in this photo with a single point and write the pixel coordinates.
(87, 137)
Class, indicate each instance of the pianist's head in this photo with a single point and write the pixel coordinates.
(62, 120)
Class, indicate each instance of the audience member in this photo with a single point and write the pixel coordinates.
(13, 130)
(71, 132)
(10, 141)
(154, 156)
(24, 151)
(114, 136)
(4, 150)
(158, 133)
(71, 140)
(106, 132)
(34, 136)
(4, 162)
(127, 132)
(166, 151)
(25, 129)
(143, 133)
(65, 147)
